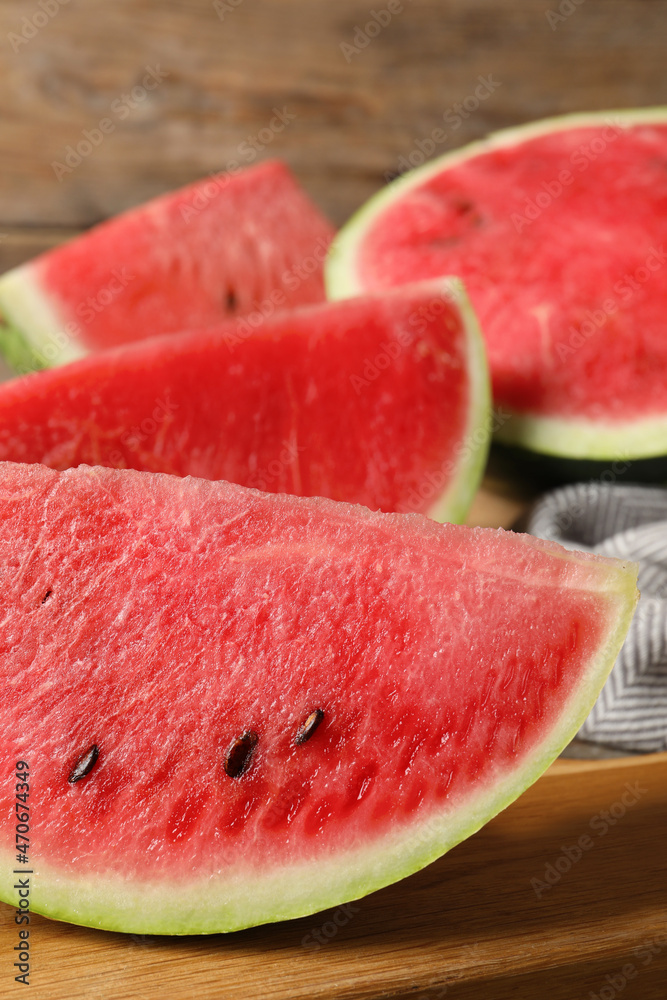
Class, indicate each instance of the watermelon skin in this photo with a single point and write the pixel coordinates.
(567, 284)
(160, 618)
(231, 245)
(382, 401)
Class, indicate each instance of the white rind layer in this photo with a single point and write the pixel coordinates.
(43, 335)
(577, 438)
(551, 435)
(212, 904)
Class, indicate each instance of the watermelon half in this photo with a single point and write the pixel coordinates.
(235, 244)
(382, 400)
(559, 231)
(234, 707)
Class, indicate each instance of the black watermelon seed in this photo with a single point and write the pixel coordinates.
(310, 725)
(46, 596)
(84, 764)
(241, 753)
(231, 301)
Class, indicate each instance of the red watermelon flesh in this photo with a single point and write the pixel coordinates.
(559, 231)
(381, 401)
(230, 245)
(167, 620)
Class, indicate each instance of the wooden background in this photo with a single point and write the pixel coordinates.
(65, 66)
(226, 71)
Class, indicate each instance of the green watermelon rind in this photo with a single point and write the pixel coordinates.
(604, 441)
(112, 903)
(472, 452)
(32, 335)
(551, 435)
(17, 351)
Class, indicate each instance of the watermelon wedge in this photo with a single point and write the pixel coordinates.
(559, 231)
(383, 401)
(236, 244)
(223, 707)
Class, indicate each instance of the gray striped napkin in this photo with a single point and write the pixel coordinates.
(629, 522)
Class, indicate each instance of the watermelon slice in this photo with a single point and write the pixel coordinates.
(235, 244)
(559, 230)
(382, 401)
(232, 707)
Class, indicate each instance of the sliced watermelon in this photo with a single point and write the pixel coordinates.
(232, 707)
(236, 244)
(382, 400)
(559, 230)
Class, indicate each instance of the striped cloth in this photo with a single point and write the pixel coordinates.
(629, 522)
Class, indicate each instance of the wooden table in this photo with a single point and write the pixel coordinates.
(472, 925)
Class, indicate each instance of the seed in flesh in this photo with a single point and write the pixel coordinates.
(84, 764)
(310, 725)
(240, 754)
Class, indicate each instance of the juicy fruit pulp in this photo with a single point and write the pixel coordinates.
(382, 401)
(190, 632)
(558, 230)
(240, 244)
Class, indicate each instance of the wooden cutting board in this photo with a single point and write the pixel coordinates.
(504, 915)
(563, 895)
